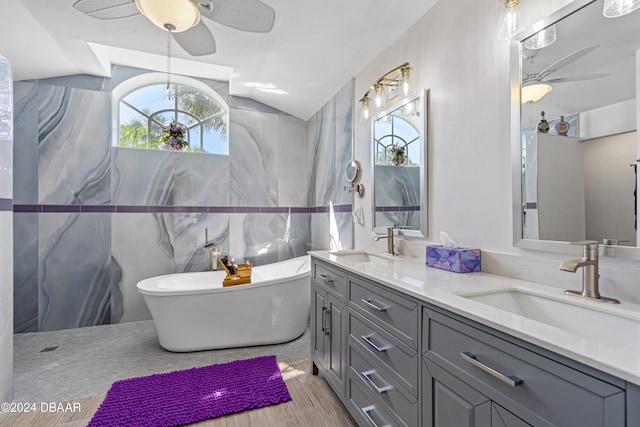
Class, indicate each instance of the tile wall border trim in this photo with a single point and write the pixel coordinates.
(46, 208)
(6, 205)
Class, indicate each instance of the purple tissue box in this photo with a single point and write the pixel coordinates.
(459, 260)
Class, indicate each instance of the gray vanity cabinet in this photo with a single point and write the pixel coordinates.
(522, 383)
(394, 360)
(328, 324)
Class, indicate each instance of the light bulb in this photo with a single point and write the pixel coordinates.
(617, 8)
(379, 100)
(405, 85)
(365, 111)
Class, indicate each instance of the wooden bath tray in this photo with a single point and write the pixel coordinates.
(240, 277)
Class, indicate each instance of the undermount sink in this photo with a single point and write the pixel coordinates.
(586, 318)
(361, 256)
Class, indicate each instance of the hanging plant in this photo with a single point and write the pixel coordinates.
(398, 155)
(174, 135)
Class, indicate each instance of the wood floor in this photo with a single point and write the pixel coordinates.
(313, 404)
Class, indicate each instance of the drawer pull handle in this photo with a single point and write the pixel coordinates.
(367, 376)
(367, 339)
(366, 411)
(326, 320)
(372, 305)
(512, 380)
(326, 278)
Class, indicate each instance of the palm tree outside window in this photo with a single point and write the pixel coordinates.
(144, 111)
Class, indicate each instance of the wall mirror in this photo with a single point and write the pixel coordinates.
(580, 68)
(399, 167)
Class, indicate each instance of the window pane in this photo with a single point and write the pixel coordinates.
(155, 134)
(215, 139)
(154, 107)
(150, 98)
(196, 103)
(133, 128)
(413, 154)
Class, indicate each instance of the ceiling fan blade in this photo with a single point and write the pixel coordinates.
(197, 41)
(565, 61)
(246, 15)
(578, 78)
(107, 9)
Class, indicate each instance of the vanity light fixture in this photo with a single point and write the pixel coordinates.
(510, 21)
(534, 92)
(395, 83)
(542, 38)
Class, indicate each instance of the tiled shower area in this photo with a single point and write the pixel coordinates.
(91, 220)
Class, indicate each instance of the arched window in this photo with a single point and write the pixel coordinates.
(399, 132)
(144, 106)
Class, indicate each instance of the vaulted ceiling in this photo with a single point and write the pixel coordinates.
(313, 49)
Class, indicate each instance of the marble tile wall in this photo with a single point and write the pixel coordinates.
(6, 230)
(92, 220)
(330, 150)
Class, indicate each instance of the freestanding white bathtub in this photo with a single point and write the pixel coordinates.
(192, 311)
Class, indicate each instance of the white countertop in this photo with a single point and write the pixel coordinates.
(441, 288)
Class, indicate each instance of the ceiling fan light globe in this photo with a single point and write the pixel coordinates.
(534, 92)
(179, 14)
(617, 8)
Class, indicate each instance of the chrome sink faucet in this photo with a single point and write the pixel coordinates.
(389, 237)
(590, 275)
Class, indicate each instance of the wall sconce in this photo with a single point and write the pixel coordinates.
(396, 83)
(617, 8)
(510, 21)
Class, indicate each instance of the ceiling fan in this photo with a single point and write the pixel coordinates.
(182, 17)
(536, 85)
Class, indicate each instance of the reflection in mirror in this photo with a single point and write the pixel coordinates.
(577, 183)
(399, 167)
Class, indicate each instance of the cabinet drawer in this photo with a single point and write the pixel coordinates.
(332, 278)
(395, 356)
(396, 314)
(384, 386)
(364, 408)
(550, 393)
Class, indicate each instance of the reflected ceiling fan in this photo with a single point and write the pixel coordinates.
(182, 17)
(536, 85)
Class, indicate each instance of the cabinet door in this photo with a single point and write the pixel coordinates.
(447, 401)
(320, 341)
(334, 351)
(500, 417)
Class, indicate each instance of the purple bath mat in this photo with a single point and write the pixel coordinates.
(197, 394)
